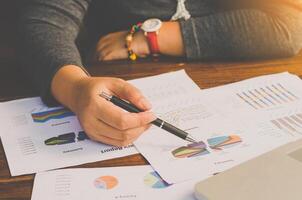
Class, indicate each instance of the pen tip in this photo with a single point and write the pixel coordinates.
(189, 139)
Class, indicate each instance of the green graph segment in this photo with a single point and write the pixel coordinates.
(185, 151)
(200, 153)
(200, 148)
(66, 138)
(57, 141)
(191, 150)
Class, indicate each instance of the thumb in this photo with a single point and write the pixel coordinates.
(127, 91)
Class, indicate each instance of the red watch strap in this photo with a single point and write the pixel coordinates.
(153, 44)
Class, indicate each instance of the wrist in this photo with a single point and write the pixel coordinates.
(170, 40)
(65, 83)
(160, 37)
(140, 44)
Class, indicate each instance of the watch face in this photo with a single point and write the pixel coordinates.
(151, 25)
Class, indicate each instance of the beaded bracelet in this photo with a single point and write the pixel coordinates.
(129, 38)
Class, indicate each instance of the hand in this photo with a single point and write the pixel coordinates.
(100, 119)
(112, 46)
(105, 122)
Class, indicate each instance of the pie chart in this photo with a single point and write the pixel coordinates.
(105, 182)
(224, 141)
(191, 150)
(153, 180)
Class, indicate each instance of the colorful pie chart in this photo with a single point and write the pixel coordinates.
(105, 182)
(153, 180)
(191, 150)
(224, 141)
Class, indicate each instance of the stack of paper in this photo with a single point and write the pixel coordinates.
(135, 182)
(37, 138)
(232, 124)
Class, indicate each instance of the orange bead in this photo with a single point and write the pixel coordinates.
(133, 57)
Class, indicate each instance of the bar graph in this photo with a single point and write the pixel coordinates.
(267, 97)
(291, 124)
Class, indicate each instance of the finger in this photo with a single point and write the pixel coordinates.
(104, 41)
(106, 140)
(104, 46)
(118, 118)
(113, 133)
(103, 53)
(101, 128)
(135, 133)
(116, 55)
(119, 54)
(127, 91)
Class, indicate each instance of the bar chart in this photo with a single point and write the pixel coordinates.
(291, 124)
(267, 97)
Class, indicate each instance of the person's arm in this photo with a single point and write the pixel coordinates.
(100, 119)
(48, 31)
(253, 33)
(274, 31)
(49, 55)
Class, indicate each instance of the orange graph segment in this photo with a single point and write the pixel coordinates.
(223, 141)
(106, 182)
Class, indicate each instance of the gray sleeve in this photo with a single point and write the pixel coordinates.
(244, 34)
(48, 30)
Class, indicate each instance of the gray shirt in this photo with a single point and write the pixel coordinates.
(54, 33)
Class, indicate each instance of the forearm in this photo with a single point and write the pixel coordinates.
(247, 34)
(48, 30)
(170, 39)
(244, 34)
(64, 84)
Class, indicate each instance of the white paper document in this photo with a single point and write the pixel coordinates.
(229, 130)
(38, 138)
(264, 93)
(135, 182)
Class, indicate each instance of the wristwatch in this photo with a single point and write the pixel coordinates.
(151, 29)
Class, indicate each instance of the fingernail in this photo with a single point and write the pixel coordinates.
(145, 103)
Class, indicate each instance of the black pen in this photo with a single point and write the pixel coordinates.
(158, 122)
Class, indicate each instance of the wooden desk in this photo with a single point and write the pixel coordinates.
(13, 85)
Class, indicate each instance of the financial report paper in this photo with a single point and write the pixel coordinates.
(134, 182)
(38, 138)
(231, 124)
